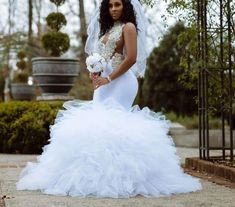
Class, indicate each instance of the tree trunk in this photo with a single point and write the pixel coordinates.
(11, 4)
(10, 27)
(30, 19)
(83, 34)
(30, 34)
(38, 8)
(83, 88)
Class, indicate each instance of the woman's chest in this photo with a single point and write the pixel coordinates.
(112, 41)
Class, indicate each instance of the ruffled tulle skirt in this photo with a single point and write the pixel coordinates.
(105, 150)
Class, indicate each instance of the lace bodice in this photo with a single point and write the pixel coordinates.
(107, 50)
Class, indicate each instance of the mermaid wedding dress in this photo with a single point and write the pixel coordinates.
(106, 147)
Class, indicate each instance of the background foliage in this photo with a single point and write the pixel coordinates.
(161, 87)
(186, 11)
(24, 126)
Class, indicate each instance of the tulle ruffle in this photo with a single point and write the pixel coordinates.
(104, 150)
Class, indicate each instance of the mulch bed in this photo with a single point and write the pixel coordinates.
(225, 162)
(215, 170)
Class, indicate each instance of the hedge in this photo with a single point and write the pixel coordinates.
(24, 125)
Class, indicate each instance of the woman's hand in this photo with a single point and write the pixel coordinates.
(93, 75)
(99, 81)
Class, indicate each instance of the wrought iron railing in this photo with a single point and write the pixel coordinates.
(216, 43)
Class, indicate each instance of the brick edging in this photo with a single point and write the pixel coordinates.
(222, 171)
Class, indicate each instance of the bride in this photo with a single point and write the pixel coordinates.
(106, 147)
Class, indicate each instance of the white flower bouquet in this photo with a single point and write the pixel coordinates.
(95, 63)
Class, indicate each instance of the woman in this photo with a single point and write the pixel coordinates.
(106, 148)
(118, 29)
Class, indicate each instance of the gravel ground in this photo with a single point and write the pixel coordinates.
(11, 165)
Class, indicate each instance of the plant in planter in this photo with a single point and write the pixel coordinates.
(21, 75)
(55, 75)
(20, 88)
(56, 42)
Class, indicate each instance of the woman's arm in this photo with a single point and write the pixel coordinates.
(130, 42)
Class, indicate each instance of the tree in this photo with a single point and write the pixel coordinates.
(217, 43)
(83, 88)
(21, 75)
(38, 8)
(7, 42)
(30, 33)
(56, 42)
(2, 83)
(161, 88)
(83, 33)
(30, 19)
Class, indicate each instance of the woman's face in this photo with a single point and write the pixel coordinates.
(115, 9)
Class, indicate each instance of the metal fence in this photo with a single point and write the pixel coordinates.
(216, 42)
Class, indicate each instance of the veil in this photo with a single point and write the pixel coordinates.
(93, 31)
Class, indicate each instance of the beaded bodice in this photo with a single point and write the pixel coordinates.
(107, 50)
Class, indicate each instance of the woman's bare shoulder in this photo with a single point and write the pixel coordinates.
(129, 26)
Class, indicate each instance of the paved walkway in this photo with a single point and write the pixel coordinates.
(11, 165)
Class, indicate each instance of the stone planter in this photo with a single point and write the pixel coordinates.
(55, 76)
(23, 91)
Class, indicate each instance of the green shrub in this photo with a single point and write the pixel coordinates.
(21, 77)
(24, 126)
(58, 2)
(21, 55)
(56, 20)
(22, 74)
(21, 64)
(56, 43)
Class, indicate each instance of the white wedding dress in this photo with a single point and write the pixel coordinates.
(107, 148)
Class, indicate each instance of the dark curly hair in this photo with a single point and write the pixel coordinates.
(106, 21)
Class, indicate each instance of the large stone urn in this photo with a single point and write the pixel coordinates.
(23, 91)
(55, 76)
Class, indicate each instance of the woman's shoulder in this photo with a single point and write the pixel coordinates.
(129, 26)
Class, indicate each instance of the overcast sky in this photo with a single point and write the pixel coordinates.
(155, 28)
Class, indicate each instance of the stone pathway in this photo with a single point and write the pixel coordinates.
(11, 165)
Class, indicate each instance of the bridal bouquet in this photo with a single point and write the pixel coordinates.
(95, 63)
